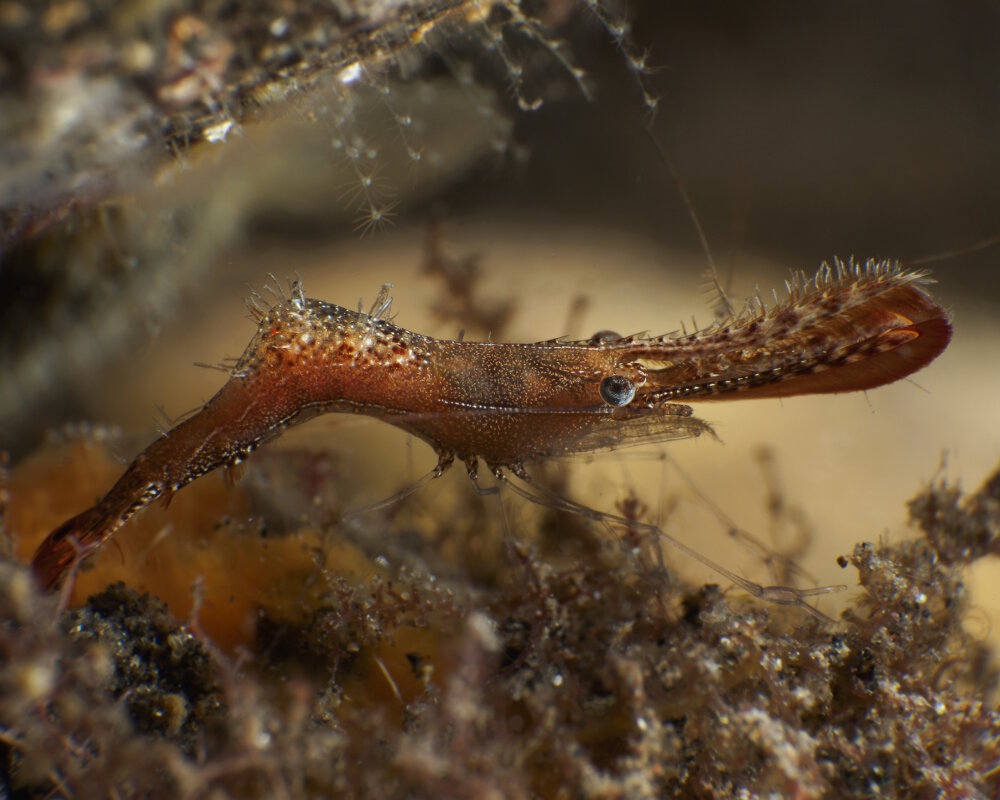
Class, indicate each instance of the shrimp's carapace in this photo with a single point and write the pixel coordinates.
(849, 328)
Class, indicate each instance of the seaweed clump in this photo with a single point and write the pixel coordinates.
(589, 678)
(161, 670)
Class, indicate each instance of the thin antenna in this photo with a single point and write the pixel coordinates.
(713, 271)
(985, 244)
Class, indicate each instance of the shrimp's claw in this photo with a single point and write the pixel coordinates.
(853, 329)
(889, 356)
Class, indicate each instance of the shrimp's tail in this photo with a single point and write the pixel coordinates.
(73, 541)
(267, 392)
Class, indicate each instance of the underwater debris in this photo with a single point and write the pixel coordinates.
(574, 679)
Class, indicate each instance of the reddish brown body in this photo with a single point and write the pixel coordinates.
(848, 329)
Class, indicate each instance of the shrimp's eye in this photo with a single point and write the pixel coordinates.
(604, 337)
(617, 390)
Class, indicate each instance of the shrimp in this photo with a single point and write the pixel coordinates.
(852, 327)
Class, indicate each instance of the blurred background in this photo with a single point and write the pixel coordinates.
(203, 152)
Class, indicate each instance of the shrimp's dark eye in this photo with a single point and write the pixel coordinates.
(604, 337)
(617, 390)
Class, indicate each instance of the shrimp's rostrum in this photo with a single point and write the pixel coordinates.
(851, 327)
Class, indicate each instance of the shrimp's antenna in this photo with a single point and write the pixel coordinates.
(713, 271)
(947, 255)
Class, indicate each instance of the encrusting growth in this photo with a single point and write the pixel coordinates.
(850, 328)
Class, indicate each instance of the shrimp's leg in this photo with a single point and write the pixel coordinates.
(396, 497)
(780, 595)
